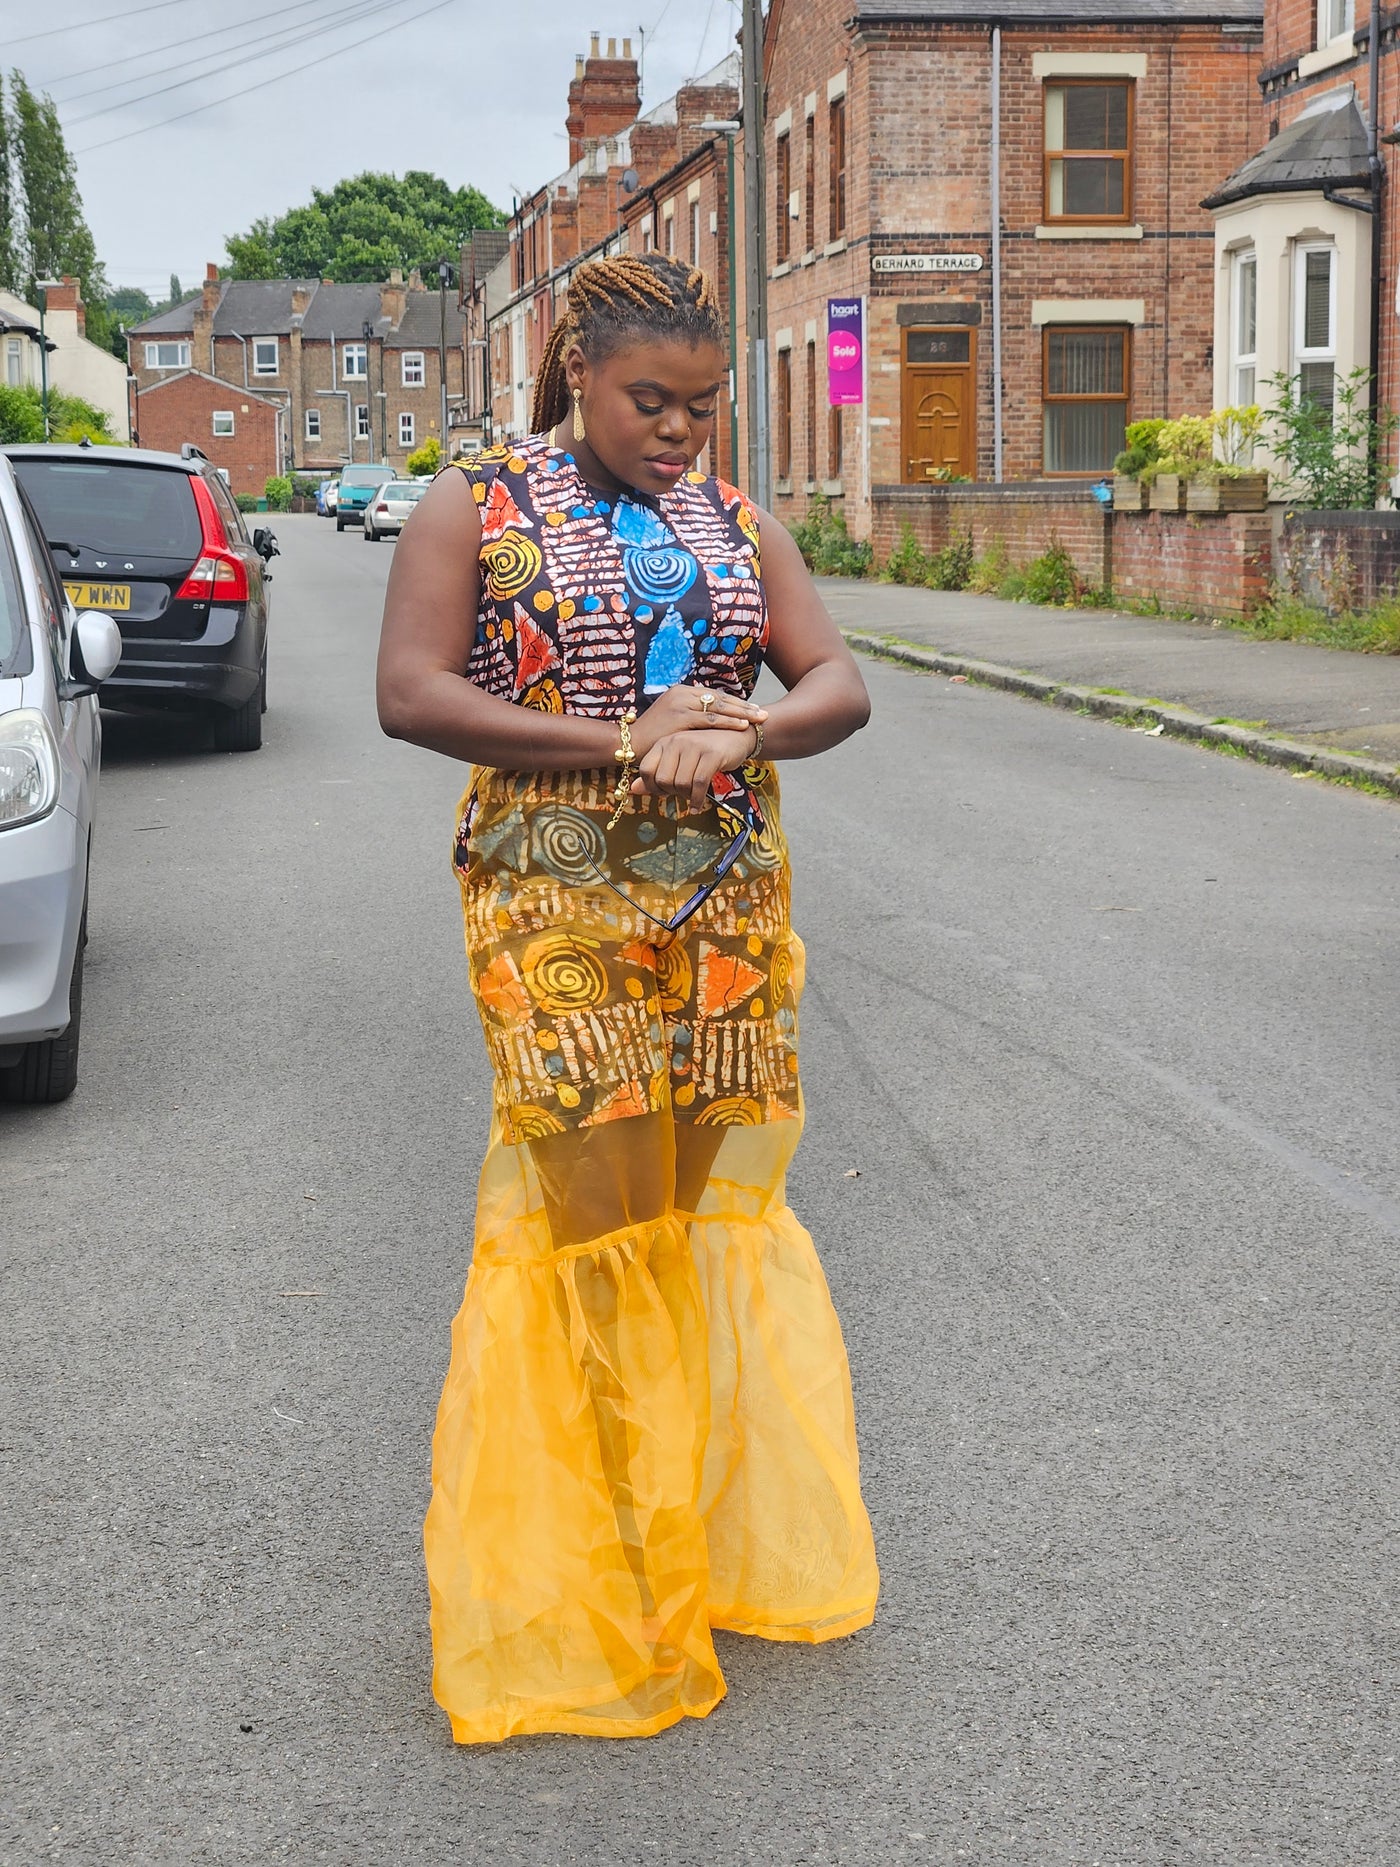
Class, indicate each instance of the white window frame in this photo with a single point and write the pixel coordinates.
(313, 424)
(178, 345)
(407, 429)
(1304, 352)
(1243, 357)
(1336, 21)
(362, 427)
(14, 362)
(412, 371)
(351, 373)
(695, 231)
(218, 415)
(259, 367)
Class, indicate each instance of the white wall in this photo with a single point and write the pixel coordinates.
(75, 366)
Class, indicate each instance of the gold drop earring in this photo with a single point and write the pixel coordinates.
(578, 415)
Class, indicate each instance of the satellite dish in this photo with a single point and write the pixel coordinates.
(631, 181)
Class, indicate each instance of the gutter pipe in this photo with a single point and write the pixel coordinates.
(1376, 165)
(997, 460)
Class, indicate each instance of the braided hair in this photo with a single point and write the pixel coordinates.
(610, 300)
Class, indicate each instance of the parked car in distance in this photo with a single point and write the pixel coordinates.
(391, 506)
(52, 660)
(327, 493)
(157, 541)
(358, 485)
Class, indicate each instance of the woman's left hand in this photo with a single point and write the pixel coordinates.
(683, 763)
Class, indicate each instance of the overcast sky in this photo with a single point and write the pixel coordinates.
(475, 93)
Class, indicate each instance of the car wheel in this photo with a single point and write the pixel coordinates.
(339, 523)
(262, 685)
(48, 1070)
(239, 729)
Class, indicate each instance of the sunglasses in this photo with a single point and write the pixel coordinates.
(746, 816)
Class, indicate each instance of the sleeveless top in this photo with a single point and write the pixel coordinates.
(594, 602)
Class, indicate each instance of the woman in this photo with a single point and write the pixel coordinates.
(646, 1430)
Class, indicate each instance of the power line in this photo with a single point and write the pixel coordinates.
(316, 29)
(106, 19)
(276, 78)
(215, 32)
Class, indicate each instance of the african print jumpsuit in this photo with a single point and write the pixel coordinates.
(646, 1430)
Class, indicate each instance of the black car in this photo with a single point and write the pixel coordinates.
(157, 542)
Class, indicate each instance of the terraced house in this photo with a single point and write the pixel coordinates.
(1006, 209)
(276, 375)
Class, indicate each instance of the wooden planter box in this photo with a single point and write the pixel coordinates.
(1129, 493)
(1168, 493)
(1213, 492)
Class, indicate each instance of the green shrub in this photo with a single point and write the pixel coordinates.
(246, 502)
(908, 563)
(828, 549)
(950, 568)
(424, 461)
(70, 417)
(1141, 436)
(1334, 453)
(304, 487)
(990, 570)
(1052, 578)
(1132, 460)
(278, 492)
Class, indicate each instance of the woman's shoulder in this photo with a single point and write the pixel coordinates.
(504, 471)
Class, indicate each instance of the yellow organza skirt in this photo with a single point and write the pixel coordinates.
(646, 1430)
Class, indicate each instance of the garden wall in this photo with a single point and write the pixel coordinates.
(1217, 564)
(1339, 560)
(1026, 517)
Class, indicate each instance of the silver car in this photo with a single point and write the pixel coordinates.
(51, 662)
(391, 506)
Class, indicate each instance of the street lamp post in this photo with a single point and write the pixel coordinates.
(756, 257)
(444, 274)
(729, 129)
(41, 292)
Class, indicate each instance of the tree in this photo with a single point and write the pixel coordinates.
(362, 228)
(176, 293)
(55, 240)
(425, 460)
(9, 204)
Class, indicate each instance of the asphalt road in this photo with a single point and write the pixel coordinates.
(1106, 1023)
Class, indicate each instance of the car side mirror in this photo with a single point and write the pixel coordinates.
(265, 543)
(94, 649)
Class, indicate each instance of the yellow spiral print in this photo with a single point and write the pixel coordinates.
(674, 977)
(528, 1122)
(731, 1112)
(780, 974)
(563, 975)
(511, 563)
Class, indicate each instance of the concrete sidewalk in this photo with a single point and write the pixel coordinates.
(1319, 696)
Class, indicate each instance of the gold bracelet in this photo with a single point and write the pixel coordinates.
(758, 742)
(627, 759)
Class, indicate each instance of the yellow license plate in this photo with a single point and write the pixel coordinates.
(99, 595)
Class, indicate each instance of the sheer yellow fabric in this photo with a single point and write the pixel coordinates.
(646, 1430)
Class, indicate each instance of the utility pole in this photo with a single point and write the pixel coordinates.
(444, 274)
(760, 486)
(729, 129)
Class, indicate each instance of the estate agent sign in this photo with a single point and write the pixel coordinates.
(845, 346)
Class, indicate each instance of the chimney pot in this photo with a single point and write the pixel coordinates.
(612, 48)
(211, 273)
(593, 45)
(578, 65)
(627, 48)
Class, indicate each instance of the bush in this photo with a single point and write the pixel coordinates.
(908, 563)
(278, 492)
(1141, 437)
(304, 487)
(990, 571)
(246, 502)
(424, 461)
(1132, 460)
(950, 568)
(1052, 578)
(1333, 453)
(70, 417)
(827, 548)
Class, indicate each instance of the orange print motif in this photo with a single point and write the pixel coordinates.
(724, 981)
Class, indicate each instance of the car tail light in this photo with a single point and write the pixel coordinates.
(220, 575)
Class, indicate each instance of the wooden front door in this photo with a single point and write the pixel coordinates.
(939, 422)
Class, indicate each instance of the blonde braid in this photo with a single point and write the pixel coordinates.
(609, 299)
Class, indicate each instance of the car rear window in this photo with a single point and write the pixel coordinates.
(406, 489)
(109, 506)
(365, 476)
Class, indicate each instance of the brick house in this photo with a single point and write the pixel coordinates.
(636, 181)
(1304, 282)
(1029, 190)
(240, 431)
(353, 369)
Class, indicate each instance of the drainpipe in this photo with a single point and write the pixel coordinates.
(1376, 166)
(997, 461)
(244, 342)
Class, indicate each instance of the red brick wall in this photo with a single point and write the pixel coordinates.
(1217, 564)
(182, 410)
(1026, 520)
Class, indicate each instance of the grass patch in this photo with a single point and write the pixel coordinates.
(1288, 618)
(1254, 726)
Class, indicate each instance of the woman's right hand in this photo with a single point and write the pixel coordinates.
(679, 710)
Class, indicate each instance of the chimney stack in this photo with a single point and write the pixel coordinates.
(605, 96)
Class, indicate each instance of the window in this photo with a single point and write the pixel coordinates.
(836, 192)
(1244, 323)
(355, 361)
(695, 233)
(1088, 136)
(1336, 19)
(313, 424)
(782, 224)
(264, 356)
(14, 361)
(167, 356)
(810, 425)
(785, 414)
(669, 222)
(648, 237)
(406, 424)
(1086, 398)
(1315, 327)
(412, 369)
(223, 421)
(833, 444)
(361, 421)
(809, 187)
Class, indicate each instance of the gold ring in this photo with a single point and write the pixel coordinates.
(707, 700)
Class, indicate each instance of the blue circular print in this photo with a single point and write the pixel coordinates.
(660, 574)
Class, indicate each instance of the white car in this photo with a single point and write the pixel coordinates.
(387, 513)
(52, 660)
